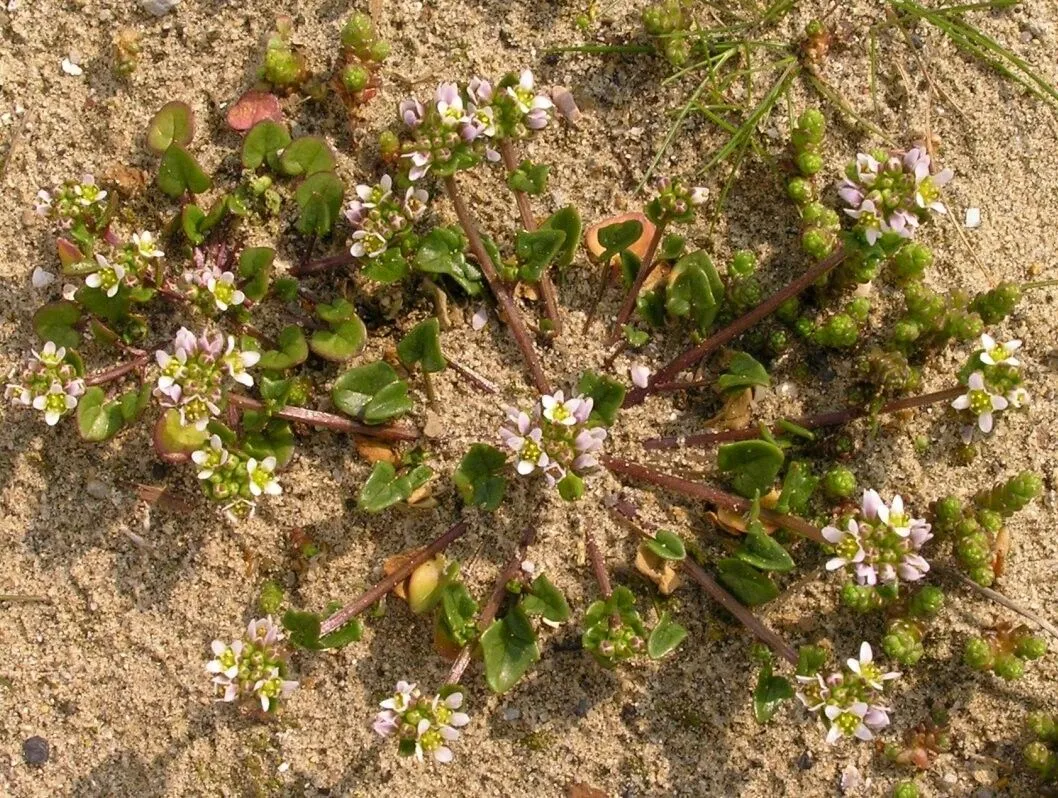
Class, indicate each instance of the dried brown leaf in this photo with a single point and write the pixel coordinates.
(657, 569)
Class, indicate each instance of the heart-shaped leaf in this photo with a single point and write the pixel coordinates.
(304, 631)
(617, 237)
(797, 488)
(422, 345)
(179, 173)
(263, 143)
(529, 177)
(762, 551)
(389, 267)
(98, 419)
(607, 397)
(743, 372)
(384, 488)
(293, 350)
(344, 341)
(373, 393)
(570, 487)
(770, 693)
(441, 252)
(275, 439)
(255, 267)
(509, 648)
(133, 404)
(253, 107)
(749, 585)
(751, 466)
(536, 250)
(174, 441)
(667, 545)
(191, 219)
(319, 199)
(174, 123)
(694, 290)
(543, 598)
(458, 610)
(478, 477)
(336, 312)
(55, 322)
(307, 156)
(567, 220)
(665, 637)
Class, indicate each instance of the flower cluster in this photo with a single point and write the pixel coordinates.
(992, 385)
(456, 123)
(380, 216)
(881, 546)
(191, 379)
(211, 283)
(254, 666)
(76, 205)
(892, 193)
(556, 439)
(230, 476)
(51, 383)
(675, 202)
(847, 698)
(422, 725)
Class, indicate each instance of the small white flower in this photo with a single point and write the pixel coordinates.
(210, 459)
(848, 546)
(847, 722)
(981, 402)
(56, 403)
(559, 410)
(107, 277)
(865, 668)
(146, 246)
(999, 354)
(367, 243)
(262, 480)
(224, 292)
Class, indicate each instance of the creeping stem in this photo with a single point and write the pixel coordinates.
(116, 372)
(499, 290)
(317, 418)
(646, 267)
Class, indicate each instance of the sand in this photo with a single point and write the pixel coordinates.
(108, 667)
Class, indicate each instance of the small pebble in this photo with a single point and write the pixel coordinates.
(511, 713)
(805, 761)
(35, 751)
(70, 68)
(582, 708)
(973, 217)
(97, 489)
(42, 278)
(159, 8)
(434, 428)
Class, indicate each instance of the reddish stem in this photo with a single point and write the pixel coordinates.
(117, 372)
(473, 377)
(646, 267)
(323, 264)
(317, 418)
(499, 290)
(547, 287)
(492, 606)
(715, 496)
(372, 595)
(718, 339)
(717, 593)
(598, 565)
(832, 418)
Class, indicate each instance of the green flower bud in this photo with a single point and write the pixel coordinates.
(355, 78)
(271, 598)
(359, 32)
(905, 789)
(813, 213)
(388, 145)
(927, 601)
(804, 327)
(282, 67)
(839, 483)
(995, 305)
(809, 163)
(858, 309)
(814, 124)
(947, 512)
(778, 341)
(1030, 647)
(1042, 725)
(978, 654)
(744, 293)
(817, 243)
(1008, 667)
(911, 261)
(860, 598)
(800, 190)
(903, 642)
(990, 520)
(1039, 757)
(788, 310)
(744, 263)
(1006, 498)
(379, 51)
(837, 332)
(982, 575)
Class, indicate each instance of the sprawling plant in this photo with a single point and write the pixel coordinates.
(227, 356)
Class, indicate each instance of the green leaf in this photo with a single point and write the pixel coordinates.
(458, 610)
(303, 629)
(306, 156)
(607, 397)
(617, 237)
(762, 551)
(797, 488)
(665, 637)
(536, 250)
(179, 173)
(529, 177)
(275, 439)
(672, 247)
(422, 345)
(341, 343)
(293, 350)
(749, 585)
(373, 393)
(478, 478)
(286, 288)
(174, 123)
(111, 308)
(743, 372)
(174, 441)
(769, 695)
(567, 220)
(97, 419)
(336, 312)
(509, 647)
(543, 598)
(132, 404)
(263, 143)
(441, 252)
(694, 290)
(255, 267)
(191, 219)
(384, 488)
(389, 267)
(343, 635)
(319, 199)
(570, 487)
(751, 466)
(630, 265)
(667, 545)
(275, 393)
(55, 322)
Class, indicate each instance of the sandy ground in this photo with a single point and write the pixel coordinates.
(109, 669)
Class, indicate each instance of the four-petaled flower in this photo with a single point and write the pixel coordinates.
(559, 410)
(995, 354)
(450, 105)
(262, 478)
(865, 668)
(854, 720)
(526, 443)
(848, 547)
(107, 278)
(981, 402)
(225, 293)
(210, 458)
(58, 401)
(146, 247)
(534, 106)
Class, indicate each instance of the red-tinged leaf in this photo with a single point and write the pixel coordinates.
(69, 253)
(254, 107)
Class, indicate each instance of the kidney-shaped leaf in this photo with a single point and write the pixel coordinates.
(173, 124)
(750, 465)
(509, 647)
(373, 393)
(319, 199)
